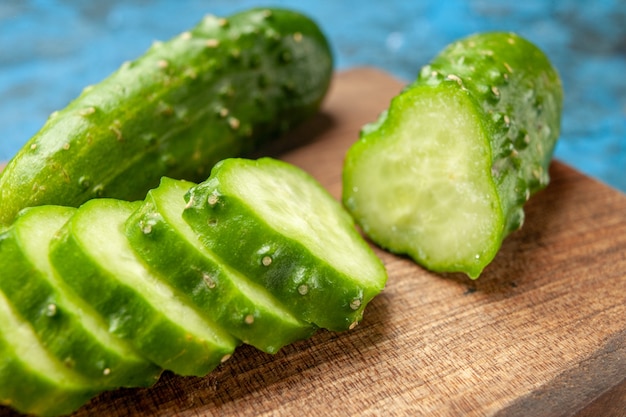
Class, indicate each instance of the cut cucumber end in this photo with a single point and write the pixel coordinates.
(290, 201)
(420, 184)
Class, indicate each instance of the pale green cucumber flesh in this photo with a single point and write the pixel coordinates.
(421, 183)
(94, 257)
(170, 247)
(64, 322)
(32, 380)
(279, 227)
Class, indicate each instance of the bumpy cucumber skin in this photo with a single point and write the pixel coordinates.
(519, 95)
(130, 317)
(204, 279)
(225, 88)
(43, 304)
(313, 289)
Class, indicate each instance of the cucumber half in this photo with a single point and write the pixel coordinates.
(443, 174)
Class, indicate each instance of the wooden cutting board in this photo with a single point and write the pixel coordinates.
(541, 333)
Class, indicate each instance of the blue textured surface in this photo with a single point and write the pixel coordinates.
(51, 49)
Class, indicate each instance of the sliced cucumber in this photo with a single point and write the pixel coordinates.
(114, 291)
(32, 381)
(66, 326)
(283, 230)
(93, 256)
(158, 233)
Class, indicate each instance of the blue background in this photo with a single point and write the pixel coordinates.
(51, 49)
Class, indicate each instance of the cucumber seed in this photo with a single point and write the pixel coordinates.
(51, 310)
(213, 199)
(233, 123)
(355, 304)
(267, 260)
(249, 319)
(208, 280)
(303, 289)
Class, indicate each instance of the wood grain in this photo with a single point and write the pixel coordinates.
(541, 333)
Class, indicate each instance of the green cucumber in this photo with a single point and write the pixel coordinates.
(93, 256)
(31, 380)
(258, 253)
(225, 88)
(160, 236)
(445, 171)
(276, 225)
(65, 325)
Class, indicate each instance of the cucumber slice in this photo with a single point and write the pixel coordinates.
(65, 325)
(94, 257)
(280, 228)
(168, 245)
(32, 381)
(443, 174)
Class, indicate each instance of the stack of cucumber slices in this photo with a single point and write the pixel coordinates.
(111, 293)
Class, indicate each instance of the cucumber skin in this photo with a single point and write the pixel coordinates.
(225, 88)
(519, 94)
(30, 293)
(165, 252)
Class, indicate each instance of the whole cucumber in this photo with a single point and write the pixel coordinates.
(225, 88)
(444, 173)
(150, 275)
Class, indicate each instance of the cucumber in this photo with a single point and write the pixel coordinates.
(67, 327)
(92, 255)
(277, 226)
(259, 253)
(31, 380)
(443, 174)
(227, 87)
(169, 246)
